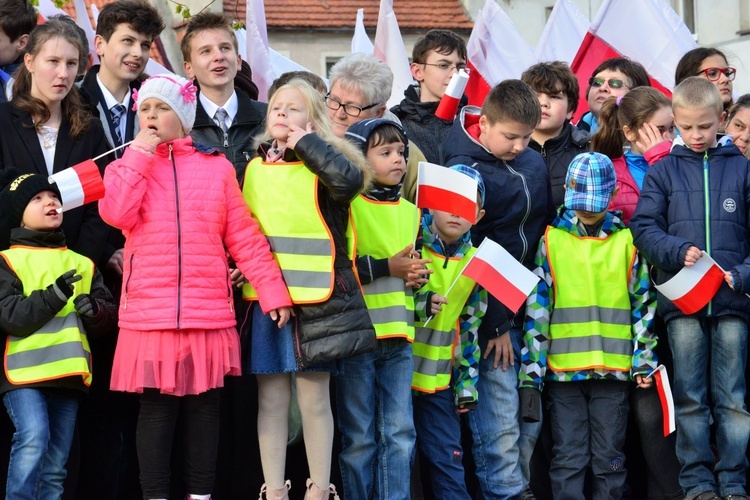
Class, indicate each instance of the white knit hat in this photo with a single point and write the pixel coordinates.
(179, 93)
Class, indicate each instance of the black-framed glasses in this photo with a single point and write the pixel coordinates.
(613, 83)
(446, 66)
(349, 109)
(714, 74)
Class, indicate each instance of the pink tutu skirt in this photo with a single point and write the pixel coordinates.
(177, 362)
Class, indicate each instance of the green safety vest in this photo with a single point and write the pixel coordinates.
(381, 230)
(435, 345)
(591, 324)
(283, 197)
(60, 348)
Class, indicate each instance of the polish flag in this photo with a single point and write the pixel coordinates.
(496, 51)
(694, 286)
(646, 31)
(501, 275)
(360, 41)
(84, 21)
(665, 397)
(563, 33)
(447, 190)
(257, 48)
(279, 64)
(452, 97)
(389, 48)
(80, 184)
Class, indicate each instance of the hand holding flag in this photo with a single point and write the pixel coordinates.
(694, 286)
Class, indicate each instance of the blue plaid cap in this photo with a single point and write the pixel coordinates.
(590, 181)
(474, 174)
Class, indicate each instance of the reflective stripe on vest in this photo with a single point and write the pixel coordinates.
(283, 197)
(435, 345)
(60, 347)
(590, 326)
(383, 229)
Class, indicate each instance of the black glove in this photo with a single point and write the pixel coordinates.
(531, 404)
(64, 284)
(86, 305)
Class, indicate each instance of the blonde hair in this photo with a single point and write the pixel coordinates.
(695, 93)
(316, 115)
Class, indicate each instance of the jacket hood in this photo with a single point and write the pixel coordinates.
(463, 137)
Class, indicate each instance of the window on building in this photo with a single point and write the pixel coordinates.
(330, 61)
(686, 10)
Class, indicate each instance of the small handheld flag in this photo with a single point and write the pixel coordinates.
(447, 190)
(79, 184)
(694, 286)
(448, 106)
(665, 397)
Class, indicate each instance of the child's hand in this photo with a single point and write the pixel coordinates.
(503, 351)
(643, 382)
(86, 305)
(692, 255)
(407, 266)
(117, 261)
(436, 302)
(238, 279)
(728, 278)
(149, 137)
(462, 409)
(296, 133)
(281, 315)
(649, 136)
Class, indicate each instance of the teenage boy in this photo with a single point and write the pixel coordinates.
(17, 19)
(495, 140)
(555, 138)
(436, 57)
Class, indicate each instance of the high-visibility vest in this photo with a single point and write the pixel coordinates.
(383, 229)
(434, 346)
(283, 197)
(60, 348)
(591, 325)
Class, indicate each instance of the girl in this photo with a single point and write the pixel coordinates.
(711, 64)
(299, 188)
(179, 206)
(643, 118)
(738, 124)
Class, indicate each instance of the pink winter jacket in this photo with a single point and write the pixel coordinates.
(179, 212)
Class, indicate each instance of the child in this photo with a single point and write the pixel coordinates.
(373, 390)
(643, 118)
(312, 176)
(555, 138)
(179, 206)
(694, 201)
(17, 19)
(711, 64)
(738, 124)
(588, 331)
(51, 299)
(436, 57)
(446, 361)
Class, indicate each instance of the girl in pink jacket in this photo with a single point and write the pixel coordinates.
(180, 208)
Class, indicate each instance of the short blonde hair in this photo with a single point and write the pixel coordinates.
(696, 92)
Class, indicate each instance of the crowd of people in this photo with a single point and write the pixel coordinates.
(281, 244)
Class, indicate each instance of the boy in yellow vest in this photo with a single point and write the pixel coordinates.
(50, 299)
(588, 332)
(449, 310)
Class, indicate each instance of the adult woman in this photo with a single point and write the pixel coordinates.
(710, 64)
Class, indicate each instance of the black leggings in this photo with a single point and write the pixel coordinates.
(157, 421)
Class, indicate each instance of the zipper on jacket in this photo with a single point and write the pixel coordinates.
(229, 289)
(706, 202)
(247, 156)
(528, 211)
(179, 239)
(226, 139)
(127, 283)
(341, 282)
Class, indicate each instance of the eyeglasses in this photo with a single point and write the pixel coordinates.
(349, 109)
(447, 67)
(613, 83)
(714, 74)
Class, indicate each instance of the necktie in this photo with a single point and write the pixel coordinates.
(221, 117)
(116, 113)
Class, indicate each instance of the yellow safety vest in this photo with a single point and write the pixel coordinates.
(381, 230)
(591, 325)
(60, 348)
(435, 345)
(283, 197)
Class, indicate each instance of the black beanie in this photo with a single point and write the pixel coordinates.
(17, 190)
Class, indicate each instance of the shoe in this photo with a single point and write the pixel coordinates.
(704, 495)
(275, 493)
(735, 496)
(315, 493)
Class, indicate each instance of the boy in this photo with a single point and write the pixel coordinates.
(17, 19)
(588, 331)
(555, 138)
(51, 299)
(494, 140)
(226, 120)
(436, 57)
(697, 200)
(373, 390)
(446, 362)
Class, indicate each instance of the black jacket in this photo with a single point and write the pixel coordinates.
(18, 311)
(238, 146)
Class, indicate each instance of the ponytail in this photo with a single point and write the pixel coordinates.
(609, 139)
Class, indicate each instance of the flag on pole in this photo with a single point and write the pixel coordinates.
(279, 64)
(665, 397)
(496, 51)
(84, 21)
(694, 286)
(360, 41)
(257, 49)
(563, 33)
(452, 97)
(646, 31)
(446, 190)
(80, 184)
(501, 275)
(389, 48)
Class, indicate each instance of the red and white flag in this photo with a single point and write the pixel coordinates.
(447, 190)
(694, 286)
(563, 33)
(257, 49)
(496, 51)
(360, 41)
(80, 184)
(646, 31)
(389, 48)
(665, 397)
(501, 275)
(452, 97)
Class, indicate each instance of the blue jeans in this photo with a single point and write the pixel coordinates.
(44, 424)
(723, 342)
(439, 440)
(373, 396)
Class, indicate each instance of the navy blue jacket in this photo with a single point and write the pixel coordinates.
(672, 215)
(518, 204)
